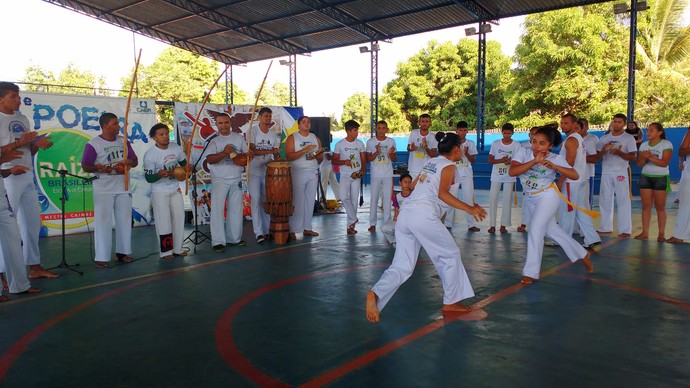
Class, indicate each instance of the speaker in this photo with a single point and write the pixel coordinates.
(321, 127)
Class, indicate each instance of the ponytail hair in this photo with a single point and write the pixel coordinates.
(446, 141)
(552, 134)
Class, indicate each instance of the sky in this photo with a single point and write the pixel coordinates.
(51, 37)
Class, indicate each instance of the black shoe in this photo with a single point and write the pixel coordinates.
(591, 246)
(260, 238)
(219, 248)
(240, 243)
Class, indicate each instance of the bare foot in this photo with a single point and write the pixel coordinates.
(31, 290)
(372, 307)
(588, 263)
(183, 254)
(168, 257)
(641, 236)
(36, 272)
(624, 235)
(5, 286)
(527, 280)
(456, 308)
(672, 240)
(661, 238)
(4, 298)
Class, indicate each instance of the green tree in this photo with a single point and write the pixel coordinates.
(663, 59)
(570, 60)
(175, 75)
(442, 80)
(71, 80)
(276, 95)
(357, 107)
(239, 95)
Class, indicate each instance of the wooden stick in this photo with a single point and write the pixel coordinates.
(251, 121)
(129, 101)
(196, 123)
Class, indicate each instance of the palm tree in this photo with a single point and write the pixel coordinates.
(663, 41)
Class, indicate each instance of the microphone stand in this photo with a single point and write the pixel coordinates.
(199, 236)
(63, 198)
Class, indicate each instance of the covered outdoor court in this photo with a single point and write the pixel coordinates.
(291, 315)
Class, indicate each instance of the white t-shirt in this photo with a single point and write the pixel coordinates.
(302, 163)
(381, 166)
(262, 141)
(657, 150)
(464, 166)
(109, 153)
(350, 150)
(426, 190)
(539, 177)
(12, 127)
(499, 171)
(614, 164)
(156, 159)
(418, 158)
(580, 164)
(226, 169)
(590, 141)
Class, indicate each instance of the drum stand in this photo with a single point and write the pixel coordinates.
(196, 237)
(63, 198)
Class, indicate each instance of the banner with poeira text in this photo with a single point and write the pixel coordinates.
(72, 121)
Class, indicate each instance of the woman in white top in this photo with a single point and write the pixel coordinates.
(419, 225)
(654, 156)
(537, 170)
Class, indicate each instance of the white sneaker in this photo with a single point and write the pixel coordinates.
(299, 236)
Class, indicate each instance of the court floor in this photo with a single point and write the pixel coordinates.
(293, 315)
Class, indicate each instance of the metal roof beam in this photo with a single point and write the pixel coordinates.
(121, 22)
(235, 25)
(344, 19)
(477, 9)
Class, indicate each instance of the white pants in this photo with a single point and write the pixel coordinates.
(226, 194)
(328, 176)
(349, 194)
(507, 205)
(618, 186)
(524, 215)
(168, 210)
(419, 227)
(543, 207)
(10, 242)
(682, 229)
(105, 206)
(257, 191)
(303, 195)
(378, 187)
(23, 197)
(579, 195)
(466, 194)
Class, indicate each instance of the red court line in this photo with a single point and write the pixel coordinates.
(371, 356)
(680, 303)
(10, 356)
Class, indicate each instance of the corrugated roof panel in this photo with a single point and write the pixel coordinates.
(298, 25)
(442, 17)
(152, 13)
(294, 26)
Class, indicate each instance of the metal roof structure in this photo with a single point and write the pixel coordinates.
(241, 31)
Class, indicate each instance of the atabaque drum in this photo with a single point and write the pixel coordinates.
(279, 199)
